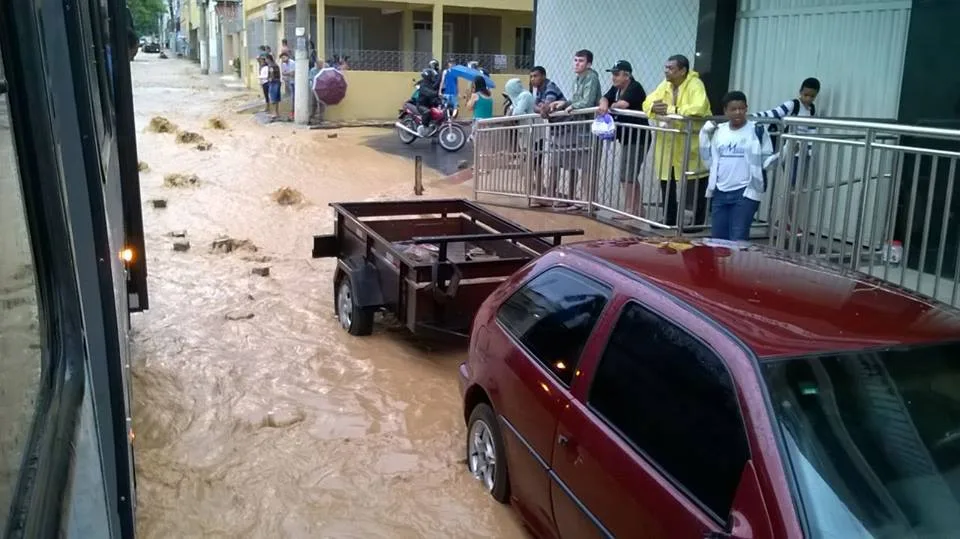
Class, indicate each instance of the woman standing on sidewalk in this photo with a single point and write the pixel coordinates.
(480, 103)
(270, 78)
(264, 75)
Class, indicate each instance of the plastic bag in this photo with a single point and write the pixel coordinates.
(604, 128)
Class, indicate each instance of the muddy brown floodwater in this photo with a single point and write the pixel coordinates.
(255, 414)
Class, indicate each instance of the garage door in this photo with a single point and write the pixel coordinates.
(855, 48)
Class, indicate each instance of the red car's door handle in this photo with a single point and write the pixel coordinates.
(563, 441)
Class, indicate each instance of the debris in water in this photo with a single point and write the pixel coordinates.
(226, 244)
(463, 164)
(163, 55)
(332, 135)
(283, 418)
(159, 203)
(263, 271)
(181, 246)
(180, 180)
(142, 166)
(286, 196)
(159, 124)
(217, 123)
(262, 259)
(204, 146)
(238, 316)
(188, 137)
(177, 234)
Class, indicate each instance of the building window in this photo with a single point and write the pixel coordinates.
(343, 36)
(672, 399)
(524, 48)
(20, 334)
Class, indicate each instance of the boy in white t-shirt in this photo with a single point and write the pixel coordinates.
(735, 151)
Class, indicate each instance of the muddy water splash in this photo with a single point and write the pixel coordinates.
(255, 415)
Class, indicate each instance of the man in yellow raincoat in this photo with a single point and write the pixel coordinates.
(682, 92)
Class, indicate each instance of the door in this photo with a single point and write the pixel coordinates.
(779, 43)
(654, 445)
(543, 327)
(423, 42)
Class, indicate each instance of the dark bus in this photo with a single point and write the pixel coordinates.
(72, 269)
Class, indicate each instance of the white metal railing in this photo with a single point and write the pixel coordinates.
(864, 191)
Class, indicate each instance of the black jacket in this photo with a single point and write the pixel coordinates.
(429, 94)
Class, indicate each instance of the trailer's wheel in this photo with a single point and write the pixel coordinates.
(353, 318)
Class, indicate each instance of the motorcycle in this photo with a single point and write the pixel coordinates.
(410, 126)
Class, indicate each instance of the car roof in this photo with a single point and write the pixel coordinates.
(777, 303)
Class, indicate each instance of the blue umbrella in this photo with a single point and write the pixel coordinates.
(464, 72)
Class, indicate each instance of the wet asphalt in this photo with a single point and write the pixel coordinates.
(433, 155)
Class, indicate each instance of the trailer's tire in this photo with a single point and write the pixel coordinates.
(353, 318)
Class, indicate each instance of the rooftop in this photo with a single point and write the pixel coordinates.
(779, 304)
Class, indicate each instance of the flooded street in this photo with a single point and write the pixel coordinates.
(255, 414)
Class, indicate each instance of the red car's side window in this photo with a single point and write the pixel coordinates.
(672, 399)
(553, 315)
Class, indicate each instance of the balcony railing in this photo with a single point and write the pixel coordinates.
(386, 60)
(865, 192)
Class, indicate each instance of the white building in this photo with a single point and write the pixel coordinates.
(762, 47)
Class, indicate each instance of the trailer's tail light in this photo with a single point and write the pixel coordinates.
(126, 255)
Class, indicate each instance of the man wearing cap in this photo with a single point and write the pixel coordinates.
(627, 94)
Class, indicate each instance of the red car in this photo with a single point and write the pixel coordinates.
(639, 388)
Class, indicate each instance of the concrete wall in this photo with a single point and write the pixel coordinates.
(378, 95)
(643, 33)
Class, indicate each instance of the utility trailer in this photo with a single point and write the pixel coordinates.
(430, 263)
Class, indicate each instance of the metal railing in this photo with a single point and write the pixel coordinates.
(873, 197)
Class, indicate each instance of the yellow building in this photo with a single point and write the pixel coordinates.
(386, 43)
(189, 25)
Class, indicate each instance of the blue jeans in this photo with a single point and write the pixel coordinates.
(731, 215)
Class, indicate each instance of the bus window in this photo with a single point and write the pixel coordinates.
(20, 337)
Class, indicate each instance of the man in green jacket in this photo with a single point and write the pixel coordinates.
(574, 141)
(586, 88)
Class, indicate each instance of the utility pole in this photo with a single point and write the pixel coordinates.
(204, 42)
(301, 105)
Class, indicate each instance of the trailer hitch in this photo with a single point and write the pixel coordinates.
(440, 293)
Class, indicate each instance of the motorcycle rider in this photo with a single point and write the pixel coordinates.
(427, 97)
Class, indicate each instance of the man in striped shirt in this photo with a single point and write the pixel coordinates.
(801, 106)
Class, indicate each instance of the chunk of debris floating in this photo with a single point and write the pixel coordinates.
(159, 203)
(332, 135)
(181, 246)
(178, 234)
(263, 271)
(239, 316)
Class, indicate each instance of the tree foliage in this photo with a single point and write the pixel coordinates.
(146, 14)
